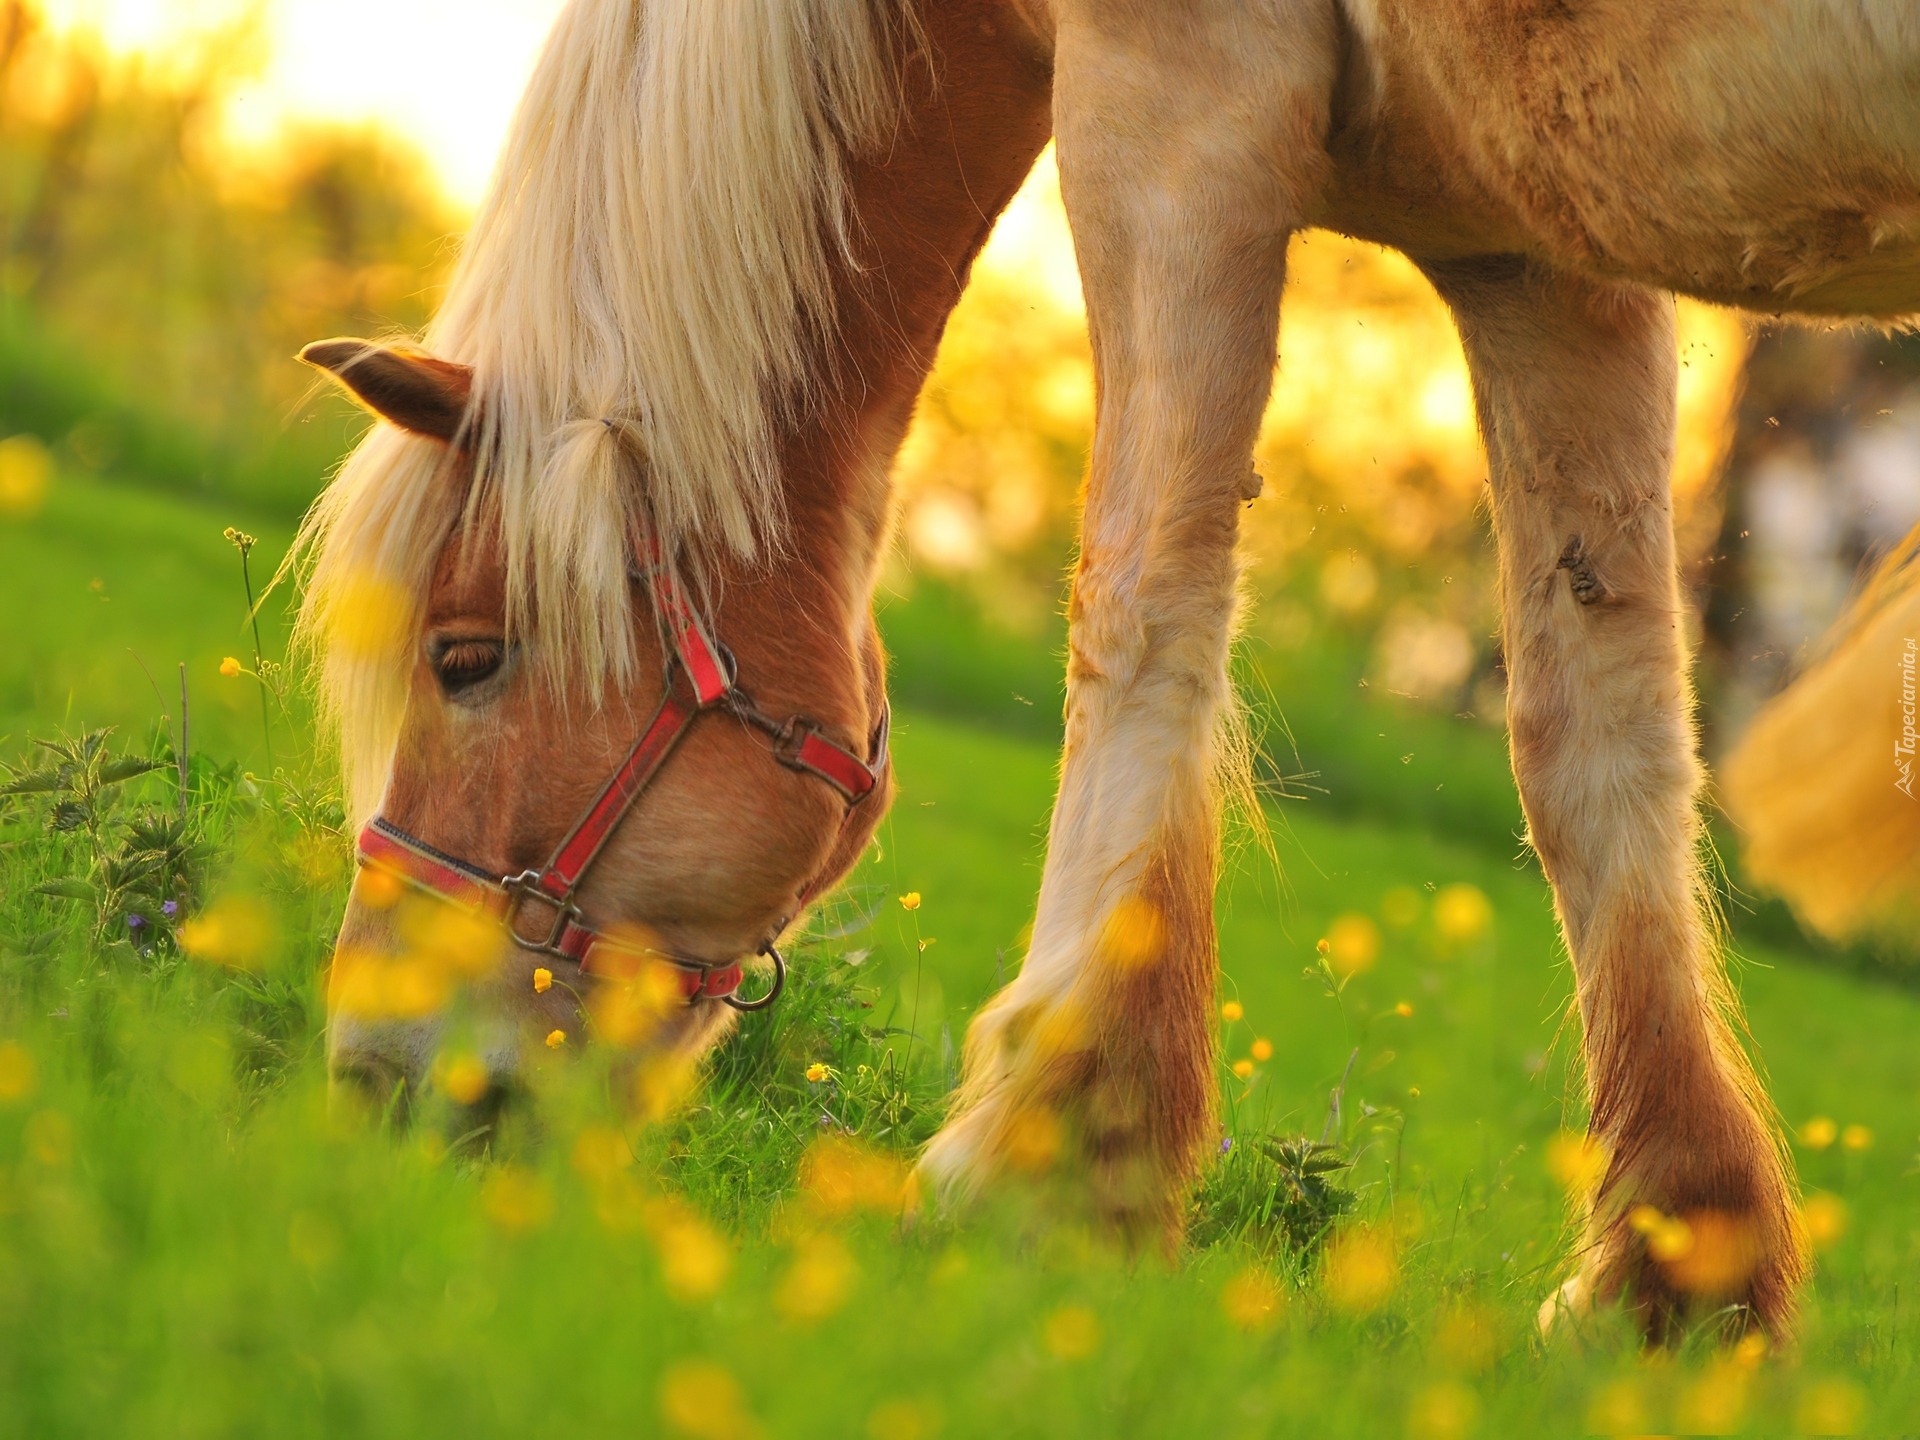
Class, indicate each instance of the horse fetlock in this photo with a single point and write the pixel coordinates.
(1697, 1228)
(1097, 1096)
(1075, 1134)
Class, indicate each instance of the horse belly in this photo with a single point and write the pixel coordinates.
(1763, 153)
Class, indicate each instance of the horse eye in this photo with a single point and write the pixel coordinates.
(462, 664)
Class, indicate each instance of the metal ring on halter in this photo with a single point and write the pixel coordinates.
(779, 983)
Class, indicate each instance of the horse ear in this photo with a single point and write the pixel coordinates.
(414, 391)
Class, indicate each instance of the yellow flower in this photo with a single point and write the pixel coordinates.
(1251, 1300)
(838, 1176)
(1134, 935)
(1072, 1332)
(1263, 1049)
(237, 931)
(694, 1257)
(230, 667)
(542, 980)
(25, 469)
(1403, 1009)
(1825, 1217)
(16, 1072)
(816, 1072)
(817, 1284)
(465, 1079)
(378, 889)
(699, 1398)
(555, 1039)
(1669, 1238)
(1443, 1411)
(1856, 1137)
(910, 900)
(516, 1199)
(1462, 913)
(1361, 1270)
(1351, 945)
(1818, 1133)
(1232, 1011)
(1033, 1140)
(368, 616)
(1243, 1068)
(1831, 1407)
(1579, 1162)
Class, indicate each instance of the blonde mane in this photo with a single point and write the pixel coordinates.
(641, 298)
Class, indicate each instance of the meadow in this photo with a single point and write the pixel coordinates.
(190, 1243)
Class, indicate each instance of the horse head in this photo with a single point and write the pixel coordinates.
(597, 859)
(594, 602)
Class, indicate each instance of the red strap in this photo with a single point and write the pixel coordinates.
(702, 662)
(715, 982)
(840, 768)
(711, 676)
(427, 869)
(649, 752)
(387, 848)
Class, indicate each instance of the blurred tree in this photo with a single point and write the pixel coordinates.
(1823, 481)
(155, 280)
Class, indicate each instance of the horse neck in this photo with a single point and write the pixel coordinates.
(975, 116)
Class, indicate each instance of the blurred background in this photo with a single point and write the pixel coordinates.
(191, 189)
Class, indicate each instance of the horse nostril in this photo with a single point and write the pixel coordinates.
(374, 1086)
(475, 1118)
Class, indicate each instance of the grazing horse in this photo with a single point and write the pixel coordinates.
(638, 474)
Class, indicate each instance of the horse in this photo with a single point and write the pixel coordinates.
(1822, 782)
(637, 473)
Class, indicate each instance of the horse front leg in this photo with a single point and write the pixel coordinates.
(1575, 384)
(1190, 139)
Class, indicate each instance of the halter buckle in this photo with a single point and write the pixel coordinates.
(790, 739)
(519, 889)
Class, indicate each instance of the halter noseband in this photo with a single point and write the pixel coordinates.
(798, 743)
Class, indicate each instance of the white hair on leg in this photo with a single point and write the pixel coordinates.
(1102, 1048)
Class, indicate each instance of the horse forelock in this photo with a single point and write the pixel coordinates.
(658, 248)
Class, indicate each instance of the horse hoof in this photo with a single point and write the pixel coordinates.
(1571, 1299)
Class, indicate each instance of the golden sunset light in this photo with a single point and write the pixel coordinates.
(654, 777)
(442, 74)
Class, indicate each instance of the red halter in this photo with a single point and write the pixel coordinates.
(798, 743)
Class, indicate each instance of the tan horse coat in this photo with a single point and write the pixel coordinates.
(1555, 166)
(733, 246)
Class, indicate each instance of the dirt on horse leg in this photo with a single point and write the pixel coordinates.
(1095, 1067)
(1575, 384)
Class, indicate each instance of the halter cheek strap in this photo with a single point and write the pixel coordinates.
(798, 743)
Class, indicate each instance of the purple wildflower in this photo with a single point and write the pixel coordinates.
(136, 921)
(169, 908)
(1226, 1143)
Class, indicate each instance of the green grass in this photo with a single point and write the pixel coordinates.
(190, 1245)
(109, 585)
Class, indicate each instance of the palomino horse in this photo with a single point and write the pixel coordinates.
(684, 341)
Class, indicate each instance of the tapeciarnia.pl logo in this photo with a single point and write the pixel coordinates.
(1903, 745)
